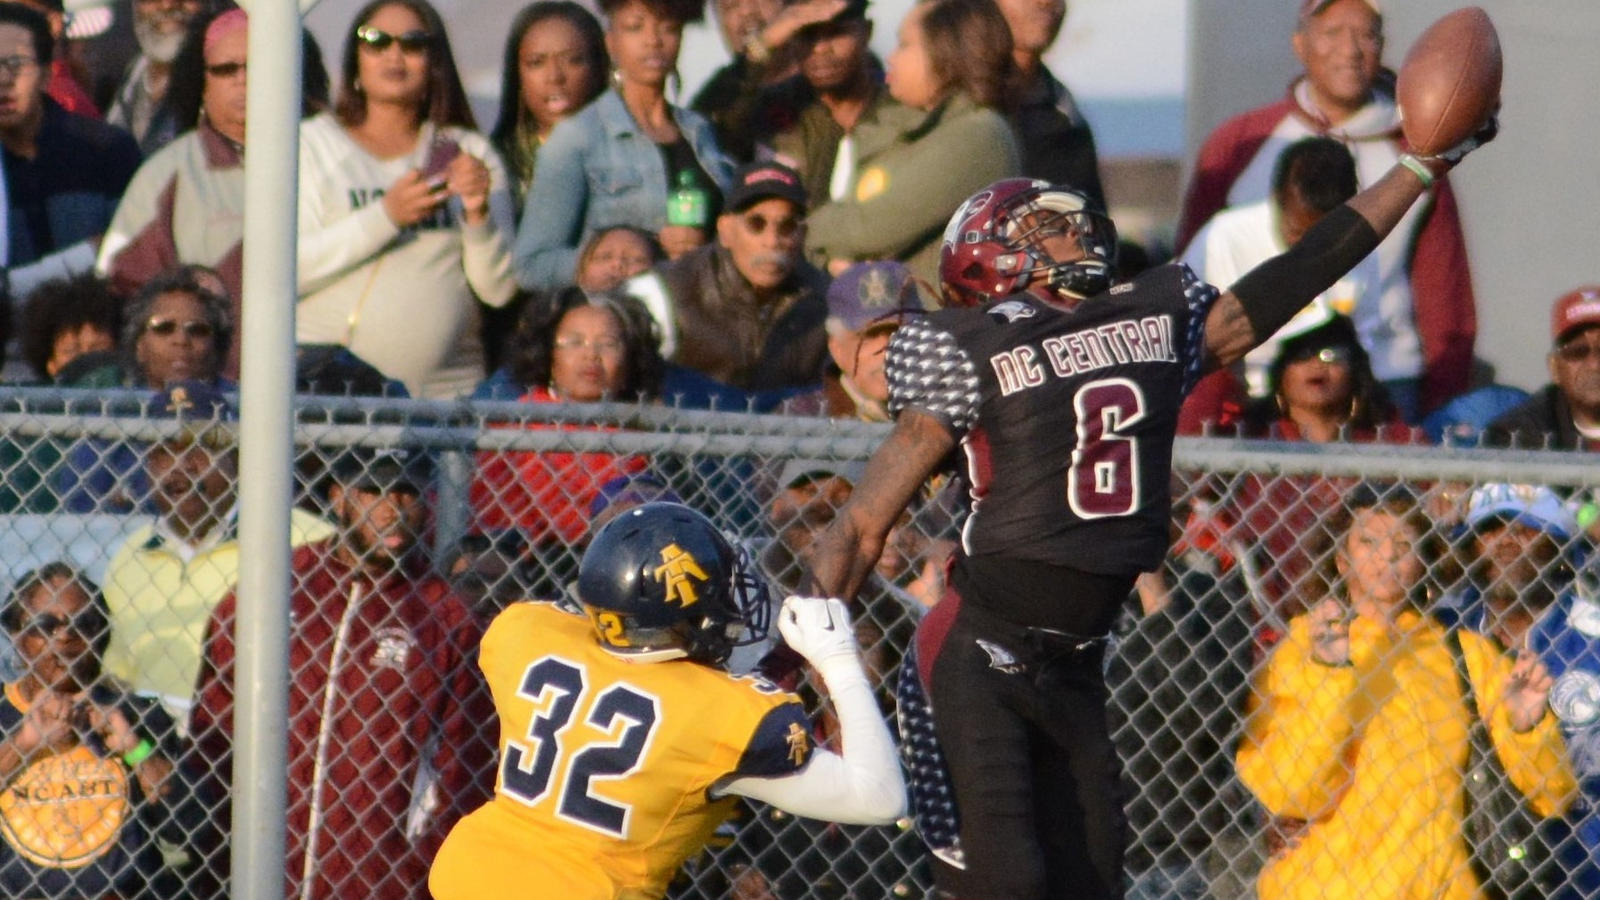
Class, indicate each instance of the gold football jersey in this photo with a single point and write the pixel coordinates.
(605, 765)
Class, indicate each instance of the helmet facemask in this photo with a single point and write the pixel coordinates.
(715, 638)
(1062, 245)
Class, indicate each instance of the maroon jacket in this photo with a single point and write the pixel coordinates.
(1441, 283)
(391, 729)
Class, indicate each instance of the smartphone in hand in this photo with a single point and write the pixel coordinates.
(441, 153)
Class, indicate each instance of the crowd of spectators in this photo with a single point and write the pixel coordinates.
(752, 250)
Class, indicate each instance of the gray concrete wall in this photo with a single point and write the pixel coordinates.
(1531, 200)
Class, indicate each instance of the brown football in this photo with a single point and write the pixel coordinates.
(1450, 81)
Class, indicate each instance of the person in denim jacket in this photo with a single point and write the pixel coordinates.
(615, 162)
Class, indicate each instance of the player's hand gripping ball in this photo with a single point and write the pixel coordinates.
(817, 628)
(1449, 85)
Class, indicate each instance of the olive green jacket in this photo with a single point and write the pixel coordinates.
(811, 143)
(906, 193)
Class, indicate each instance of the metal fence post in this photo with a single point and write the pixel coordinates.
(266, 452)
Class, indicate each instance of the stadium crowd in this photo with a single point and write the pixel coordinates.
(1285, 688)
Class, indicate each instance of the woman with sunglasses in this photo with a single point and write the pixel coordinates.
(405, 211)
(186, 203)
(95, 763)
(953, 62)
(616, 162)
(1323, 391)
(176, 329)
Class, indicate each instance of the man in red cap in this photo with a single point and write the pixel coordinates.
(1565, 414)
(1421, 321)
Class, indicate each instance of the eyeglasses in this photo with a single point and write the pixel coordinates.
(412, 42)
(88, 623)
(193, 328)
(599, 345)
(1332, 356)
(757, 223)
(225, 70)
(1577, 352)
(13, 65)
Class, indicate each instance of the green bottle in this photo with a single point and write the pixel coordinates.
(687, 204)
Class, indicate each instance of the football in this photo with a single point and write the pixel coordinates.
(1449, 83)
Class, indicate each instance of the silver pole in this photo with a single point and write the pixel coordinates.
(261, 680)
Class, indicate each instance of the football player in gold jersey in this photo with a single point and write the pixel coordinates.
(623, 737)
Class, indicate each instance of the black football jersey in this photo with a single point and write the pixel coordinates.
(1066, 418)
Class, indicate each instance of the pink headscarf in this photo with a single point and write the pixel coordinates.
(224, 25)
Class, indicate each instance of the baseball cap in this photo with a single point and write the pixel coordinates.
(872, 293)
(804, 471)
(1528, 504)
(200, 406)
(1309, 8)
(1575, 309)
(192, 401)
(383, 469)
(759, 181)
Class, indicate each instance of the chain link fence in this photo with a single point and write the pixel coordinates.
(1284, 701)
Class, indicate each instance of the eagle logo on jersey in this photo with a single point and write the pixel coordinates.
(1013, 310)
(676, 571)
(1000, 658)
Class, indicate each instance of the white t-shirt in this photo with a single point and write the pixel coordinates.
(1239, 239)
(1384, 318)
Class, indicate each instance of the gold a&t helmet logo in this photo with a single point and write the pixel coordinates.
(679, 572)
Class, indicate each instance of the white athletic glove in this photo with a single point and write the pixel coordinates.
(817, 628)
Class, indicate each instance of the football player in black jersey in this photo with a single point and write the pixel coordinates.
(1061, 389)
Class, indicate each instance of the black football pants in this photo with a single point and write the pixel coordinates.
(1022, 725)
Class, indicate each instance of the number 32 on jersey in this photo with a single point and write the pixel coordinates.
(558, 690)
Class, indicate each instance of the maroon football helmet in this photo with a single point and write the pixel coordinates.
(993, 246)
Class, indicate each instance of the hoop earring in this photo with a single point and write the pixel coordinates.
(1283, 408)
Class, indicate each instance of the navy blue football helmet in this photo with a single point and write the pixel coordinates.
(661, 582)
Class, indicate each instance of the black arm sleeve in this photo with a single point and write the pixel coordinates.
(1280, 287)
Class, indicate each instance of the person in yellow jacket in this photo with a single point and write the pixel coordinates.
(1359, 727)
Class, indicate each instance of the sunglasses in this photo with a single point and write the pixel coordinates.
(1577, 352)
(87, 623)
(225, 70)
(1332, 356)
(193, 328)
(787, 226)
(412, 42)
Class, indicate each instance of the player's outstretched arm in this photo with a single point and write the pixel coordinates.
(1269, 295)
(844, 554)
(863, 786)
